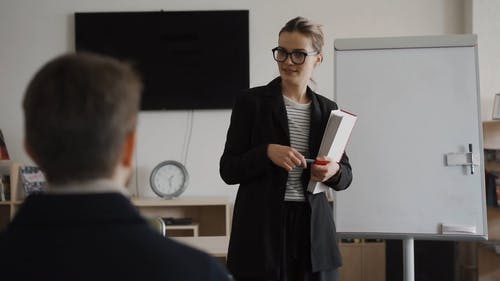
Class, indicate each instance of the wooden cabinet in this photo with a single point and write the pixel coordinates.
(488, 254)
(363, 261)
(211, 217)
(494, 224)
(488, 262)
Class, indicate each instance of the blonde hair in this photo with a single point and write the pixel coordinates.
(307, 28)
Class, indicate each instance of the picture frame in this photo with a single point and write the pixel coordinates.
(496, 107)
(32, 179)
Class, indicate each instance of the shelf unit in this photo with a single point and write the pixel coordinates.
(183, 230)
(211, 217)
(9, 207)
(487, 258)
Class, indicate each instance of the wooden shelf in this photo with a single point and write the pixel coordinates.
(487, 259)
(180, 201)
(5, 166)
(11, 169)
(211, 218)
(214, 245)
(192, 228)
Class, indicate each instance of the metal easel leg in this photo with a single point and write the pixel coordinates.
(409, 259)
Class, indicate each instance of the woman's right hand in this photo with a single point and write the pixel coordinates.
(286, 157)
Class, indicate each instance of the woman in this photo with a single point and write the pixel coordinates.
(280, 231)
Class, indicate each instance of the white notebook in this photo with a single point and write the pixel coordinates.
(335, 139)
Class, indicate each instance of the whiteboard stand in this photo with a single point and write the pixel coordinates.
(426, 89)
(409, 259)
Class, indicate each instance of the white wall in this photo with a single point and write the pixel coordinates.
(33, 31)
(486, 24)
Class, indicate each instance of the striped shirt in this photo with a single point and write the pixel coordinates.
(298, 115)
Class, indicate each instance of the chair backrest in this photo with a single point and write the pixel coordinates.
(158, 224)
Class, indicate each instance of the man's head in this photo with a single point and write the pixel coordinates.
(80, 117)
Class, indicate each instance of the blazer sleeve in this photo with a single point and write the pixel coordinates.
(343, 178)
(240, 161)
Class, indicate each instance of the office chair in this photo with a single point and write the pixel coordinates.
(158, 224)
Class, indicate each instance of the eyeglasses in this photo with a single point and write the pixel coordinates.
(297, 57)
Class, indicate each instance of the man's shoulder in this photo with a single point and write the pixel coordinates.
(3, 244)
(144, 253)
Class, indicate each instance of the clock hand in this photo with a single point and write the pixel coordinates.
(170, 181)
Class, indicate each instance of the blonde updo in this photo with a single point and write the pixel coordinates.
(307, 28)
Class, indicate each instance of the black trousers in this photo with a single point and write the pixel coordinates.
(296, 248)
(296, 258)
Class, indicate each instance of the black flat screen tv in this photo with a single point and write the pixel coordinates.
(187, 59)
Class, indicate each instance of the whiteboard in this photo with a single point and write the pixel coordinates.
(417, 100)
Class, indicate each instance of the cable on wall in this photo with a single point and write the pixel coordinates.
(187, 136)
(136, 172)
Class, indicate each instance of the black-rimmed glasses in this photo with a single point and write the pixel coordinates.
(297, 57)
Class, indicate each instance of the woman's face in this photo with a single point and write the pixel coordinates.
(297, 74)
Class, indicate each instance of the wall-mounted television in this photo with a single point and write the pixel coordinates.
(187, 59)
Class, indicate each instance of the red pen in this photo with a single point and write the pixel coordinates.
(317, 162)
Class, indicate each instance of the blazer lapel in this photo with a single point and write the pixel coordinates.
(278, 109)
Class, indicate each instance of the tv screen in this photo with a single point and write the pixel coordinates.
(187, 59)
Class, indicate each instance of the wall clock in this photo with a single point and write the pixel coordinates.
(169, 179)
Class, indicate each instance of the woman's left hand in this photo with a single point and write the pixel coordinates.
(321, 173)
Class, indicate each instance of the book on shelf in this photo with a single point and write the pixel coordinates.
(492, 188)
(4, 154)
(497, 191)
(335, 138)
(33, 179)
(2, 190)
(5, 187)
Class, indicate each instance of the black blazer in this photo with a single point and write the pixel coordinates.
(258, 119)
(94, 237)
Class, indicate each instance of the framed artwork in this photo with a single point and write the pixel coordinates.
(33, 179)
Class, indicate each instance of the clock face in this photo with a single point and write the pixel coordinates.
(169, 179)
